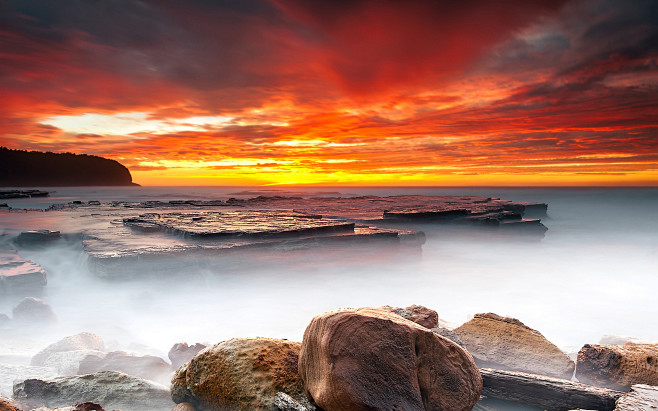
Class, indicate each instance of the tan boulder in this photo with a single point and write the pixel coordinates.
(240, 374)
(508, 344)
(371, 359)
(618, 366)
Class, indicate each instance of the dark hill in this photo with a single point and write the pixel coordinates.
(20, 168)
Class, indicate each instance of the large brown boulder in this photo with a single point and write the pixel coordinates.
(240, 374)
(424, 316)
(371, 359)
(508, 344)
(618, 366)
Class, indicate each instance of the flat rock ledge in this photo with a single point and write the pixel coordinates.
(642, 397)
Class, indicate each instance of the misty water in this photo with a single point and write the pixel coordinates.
(594, 272)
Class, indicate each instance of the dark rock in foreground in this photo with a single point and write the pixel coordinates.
(618, 366)
(113, 390)
(508, 344)
(371, 359)
(37, 237)
(19, 274)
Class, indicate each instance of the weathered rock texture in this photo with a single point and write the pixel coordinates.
(506, 343)
(285, 402)
(240, 374)
(548, 393)
(371, 359)
(417, 313)
(181, 353)
(449, 334)
(618, 366)
(114, 390)
(641, 398)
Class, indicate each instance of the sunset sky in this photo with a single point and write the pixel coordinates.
(369, 92)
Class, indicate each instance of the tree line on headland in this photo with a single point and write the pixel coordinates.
(20, 168)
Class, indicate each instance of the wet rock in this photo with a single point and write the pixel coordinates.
(181, 353)
(114, 390)
(285, 402)
(19, 274)
(449, 334)
(618, 366)
(85, 342)
(37, 237)
(184, 406)
(417, 313)
(242, 373)
(252, 224)
(149, 367)
(371, 359)
(33, 310)
(508, 344)
(642, 397)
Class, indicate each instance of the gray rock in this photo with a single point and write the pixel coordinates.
(285, 402)
(79, 342)
(35, 238)
(641, 398)
(114, 390)
(181, 353)
(449, 334)
(33, 310)
(10, 373)
(145, 366)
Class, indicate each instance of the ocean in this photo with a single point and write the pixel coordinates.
(594, 273)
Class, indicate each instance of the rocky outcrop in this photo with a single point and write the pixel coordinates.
(33, 310)
(371, 359)
(641, 398)
(149, 367)
(181, 353)
(508, 344)
(618, 366)
(240, 374)
(19, 274)
(79, 342)
(424, 316)
(20, 168)
(111, 389)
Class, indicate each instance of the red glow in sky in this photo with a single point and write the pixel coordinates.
(338, 92)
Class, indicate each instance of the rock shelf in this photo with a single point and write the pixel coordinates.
(17, 273)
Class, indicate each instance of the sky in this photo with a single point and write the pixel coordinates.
(338, 92)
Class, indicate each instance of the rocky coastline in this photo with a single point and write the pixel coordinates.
(370, 358)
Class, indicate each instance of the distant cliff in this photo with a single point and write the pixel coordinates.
(20, 168)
